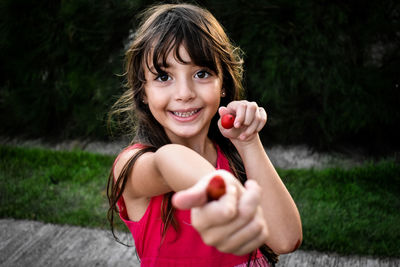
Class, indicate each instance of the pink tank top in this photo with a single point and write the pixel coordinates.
(184, 248)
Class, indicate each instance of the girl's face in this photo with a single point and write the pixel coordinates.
(184, 98)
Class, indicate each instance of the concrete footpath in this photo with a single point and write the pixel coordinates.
(31, 243)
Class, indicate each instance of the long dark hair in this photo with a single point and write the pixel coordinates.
(164, 28)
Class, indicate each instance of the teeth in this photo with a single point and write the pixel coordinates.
(185, 114)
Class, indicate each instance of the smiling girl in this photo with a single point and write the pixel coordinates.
(183, 74)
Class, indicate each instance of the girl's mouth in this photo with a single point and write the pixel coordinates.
(185, 114)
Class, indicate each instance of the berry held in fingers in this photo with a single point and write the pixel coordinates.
(216, 188)
(227, 121)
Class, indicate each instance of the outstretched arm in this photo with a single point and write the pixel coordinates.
(171, 168)
(233, 224)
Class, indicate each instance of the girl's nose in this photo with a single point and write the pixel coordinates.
(185, 90)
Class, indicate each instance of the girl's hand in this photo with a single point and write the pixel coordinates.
(232, 224)
(250, 119)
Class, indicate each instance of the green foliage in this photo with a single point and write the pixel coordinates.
(326, 71)
(60, 59)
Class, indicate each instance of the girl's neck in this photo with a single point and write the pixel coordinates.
(204, 146)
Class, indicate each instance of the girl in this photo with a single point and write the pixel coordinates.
(183, 74)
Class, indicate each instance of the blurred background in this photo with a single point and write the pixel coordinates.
(326, 71)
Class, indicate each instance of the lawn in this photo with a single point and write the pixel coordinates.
(354, 211)
(53, 186)
(348, 211)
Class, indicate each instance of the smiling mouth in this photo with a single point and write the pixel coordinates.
(185, 114)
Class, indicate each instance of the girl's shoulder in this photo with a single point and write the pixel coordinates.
(136, 166)
(124, 156)
(127, 149)
(136, 146)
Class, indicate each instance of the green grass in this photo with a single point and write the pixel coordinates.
(352, 211)
(53, 186)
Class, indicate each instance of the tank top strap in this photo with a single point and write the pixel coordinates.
(130, 147)
(222, 161)
(121, 202)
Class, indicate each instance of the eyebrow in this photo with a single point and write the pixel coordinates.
(153, 70)
(167, 65)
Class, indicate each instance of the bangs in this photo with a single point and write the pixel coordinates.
(174, 32)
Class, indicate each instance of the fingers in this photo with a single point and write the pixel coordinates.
(188, 199)
(235, 222)
(253, 242)
(255, 233)
(263, 118)
(251, 110)
(244, 111)
(240, 113)
(222, 111)
(220, 229)
(250, 119)
(196, 196)
(245, 232)
(216, 213)
(246, 239)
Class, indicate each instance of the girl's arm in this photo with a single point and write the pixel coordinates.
(170, 168)
(234, 224)
(280, 211)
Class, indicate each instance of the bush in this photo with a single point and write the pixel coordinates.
(327, 72)
(61, 59)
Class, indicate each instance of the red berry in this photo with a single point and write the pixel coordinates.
(216, 188)
(227, 121)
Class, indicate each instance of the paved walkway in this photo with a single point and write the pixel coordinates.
(31, 243)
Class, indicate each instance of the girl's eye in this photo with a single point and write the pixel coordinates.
(202, 74)
(163, 77)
